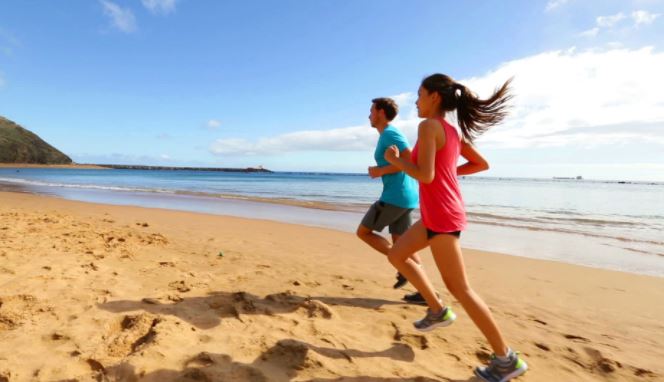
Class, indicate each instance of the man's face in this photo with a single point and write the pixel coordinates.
(375, 115)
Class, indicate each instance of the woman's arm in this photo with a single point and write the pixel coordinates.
(476, 161)
(423, 170)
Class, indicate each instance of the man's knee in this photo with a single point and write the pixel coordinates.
(362, 232)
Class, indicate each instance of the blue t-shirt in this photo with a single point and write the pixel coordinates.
(399, 189)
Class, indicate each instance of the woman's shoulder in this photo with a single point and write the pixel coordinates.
(430, 124)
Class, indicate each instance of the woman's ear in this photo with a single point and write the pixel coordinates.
(437, 98)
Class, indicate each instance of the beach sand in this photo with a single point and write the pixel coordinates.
(92, 292)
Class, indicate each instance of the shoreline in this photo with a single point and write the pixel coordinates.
(566, 247)
(144, 293)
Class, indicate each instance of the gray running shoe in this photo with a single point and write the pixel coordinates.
(435, 320)
(498, 371)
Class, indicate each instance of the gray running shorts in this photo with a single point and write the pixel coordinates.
(381, 215)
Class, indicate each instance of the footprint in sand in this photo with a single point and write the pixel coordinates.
(180, 286)
(415, 340)
(535, 319)
(315, 308)
(130, 334)
(15, 309)
(605, 365)
(483, 355)
(291, 355)
(576, 338)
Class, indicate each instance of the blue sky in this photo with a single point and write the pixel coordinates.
(288, 84)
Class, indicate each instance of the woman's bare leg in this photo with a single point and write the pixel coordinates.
(413, 240)
(447, 254)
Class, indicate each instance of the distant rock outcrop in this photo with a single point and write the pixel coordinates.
(18, 145)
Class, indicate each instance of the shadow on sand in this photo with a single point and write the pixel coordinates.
(207, 311)
(280, 363)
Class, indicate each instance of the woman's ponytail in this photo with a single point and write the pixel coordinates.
(474, 115)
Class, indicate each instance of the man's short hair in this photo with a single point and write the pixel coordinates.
(388, 106)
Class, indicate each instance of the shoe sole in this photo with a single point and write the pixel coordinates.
(441, 324)
(512, 375)
(420, 303)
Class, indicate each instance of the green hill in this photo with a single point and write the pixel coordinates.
(18, 145)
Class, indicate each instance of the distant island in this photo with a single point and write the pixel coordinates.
(19, 145)
(578, 177)
(220, 169)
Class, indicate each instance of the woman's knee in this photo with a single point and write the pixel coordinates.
(395, 258)
(460, 290)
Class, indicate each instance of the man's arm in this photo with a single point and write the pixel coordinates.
(376, 171)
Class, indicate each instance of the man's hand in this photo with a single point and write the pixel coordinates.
(375, 172)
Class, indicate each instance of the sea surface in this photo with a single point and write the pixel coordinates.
(606, 224)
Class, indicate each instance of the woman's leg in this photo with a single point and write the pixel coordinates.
(447, 254)
(414, 256)
(400, 255)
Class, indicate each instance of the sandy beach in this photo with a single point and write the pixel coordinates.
(92, 292)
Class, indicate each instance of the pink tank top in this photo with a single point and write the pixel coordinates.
(441, 204)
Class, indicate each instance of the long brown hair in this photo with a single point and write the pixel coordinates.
(475, 115)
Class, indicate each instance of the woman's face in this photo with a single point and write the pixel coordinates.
(427, 103)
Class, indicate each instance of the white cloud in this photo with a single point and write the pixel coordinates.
(562, 98)
(553, 4)
(160, 6)
(355, 138)
(122, 18)
(586, 98)
(644, 17)
(213, 124)
(609, 21)
(590, 32)
(344, 139)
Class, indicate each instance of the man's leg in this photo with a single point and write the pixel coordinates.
(397, 228)
(374, 240)
(372, 221)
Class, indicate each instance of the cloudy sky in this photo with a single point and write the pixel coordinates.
(287, 85)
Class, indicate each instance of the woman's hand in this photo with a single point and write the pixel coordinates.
(392, 154)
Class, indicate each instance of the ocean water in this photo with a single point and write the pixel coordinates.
(607, 224)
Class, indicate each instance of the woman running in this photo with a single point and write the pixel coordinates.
(434, 166)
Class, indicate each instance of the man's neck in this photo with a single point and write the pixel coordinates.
(382, 128)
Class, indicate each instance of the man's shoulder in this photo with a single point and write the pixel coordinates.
(391, 131)
(393, 134)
